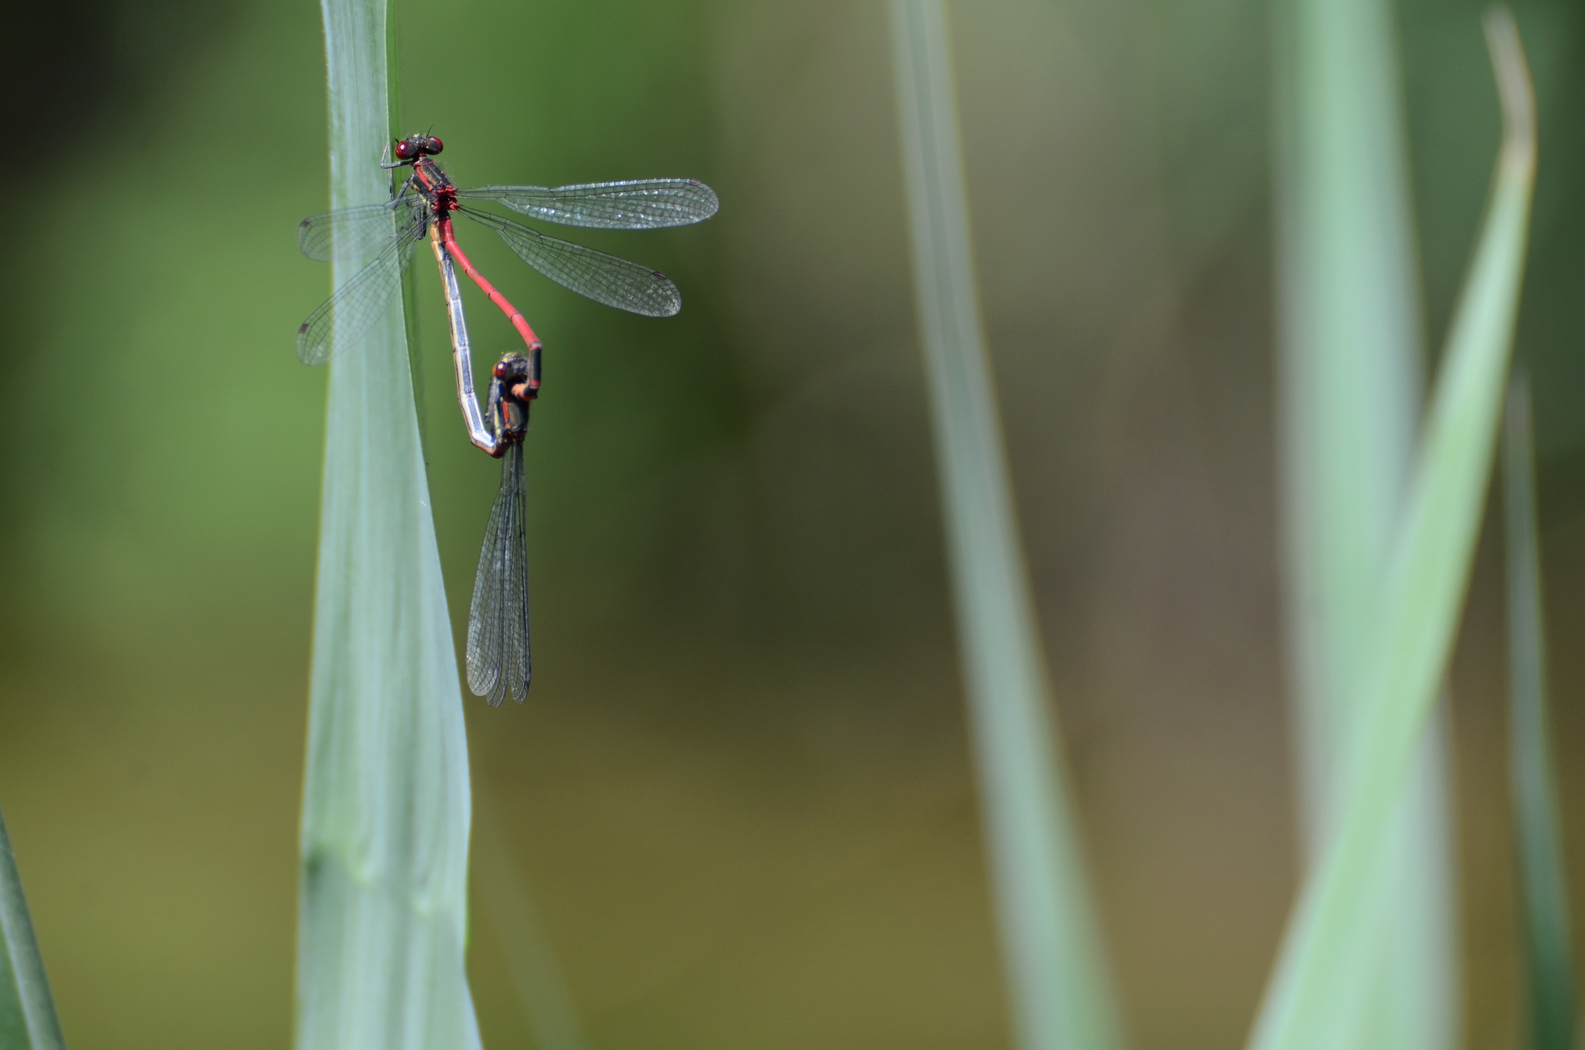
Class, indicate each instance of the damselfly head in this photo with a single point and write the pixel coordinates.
(518, 377)
(510, 397)
(511, 369)
(415, 146)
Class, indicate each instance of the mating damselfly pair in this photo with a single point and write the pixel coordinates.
(499, 657)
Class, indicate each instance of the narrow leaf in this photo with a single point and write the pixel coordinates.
(386, 801)
(1330, 932)
(1350, 376)
(1061, 997)
(27, 1010)
(1544, 898)
(531, 963)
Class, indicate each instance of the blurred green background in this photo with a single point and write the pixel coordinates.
(740, 793)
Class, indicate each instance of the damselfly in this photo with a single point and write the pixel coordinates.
(388, 232)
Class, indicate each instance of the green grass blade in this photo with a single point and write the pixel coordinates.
(1331, 928)
(530, 960)
(386, 801)
(1060, 994)
(396, 130)
(1544, 897)
(1350, 376)
(27, 1010)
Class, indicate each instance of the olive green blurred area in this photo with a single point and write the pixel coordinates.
(740, 796)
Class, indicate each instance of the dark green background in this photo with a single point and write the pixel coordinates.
(741, 791)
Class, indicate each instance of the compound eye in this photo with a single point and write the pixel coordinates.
(500, 370)
(432, 145)
(404, 150)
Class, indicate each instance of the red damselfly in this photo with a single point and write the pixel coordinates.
(388, 232)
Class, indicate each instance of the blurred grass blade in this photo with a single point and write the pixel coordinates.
(1350, 377)
(27, 1010)
(530, 961)
(395, 130)
(386, 802)
(1060, 994)
(1331, 929)
(1544, 898)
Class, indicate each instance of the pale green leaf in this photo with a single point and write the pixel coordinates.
(1544, 894)
(1349, 371)
(27, 1010)
(386, 800)
(1060, 993)
(1332, 927)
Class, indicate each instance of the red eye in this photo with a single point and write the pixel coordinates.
(403, 150)
(500, 369)
(433, 146)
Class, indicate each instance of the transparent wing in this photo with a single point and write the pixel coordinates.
(356, 305)
(499, 658)
(360, 231)
(603, 278)
(637, 204)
